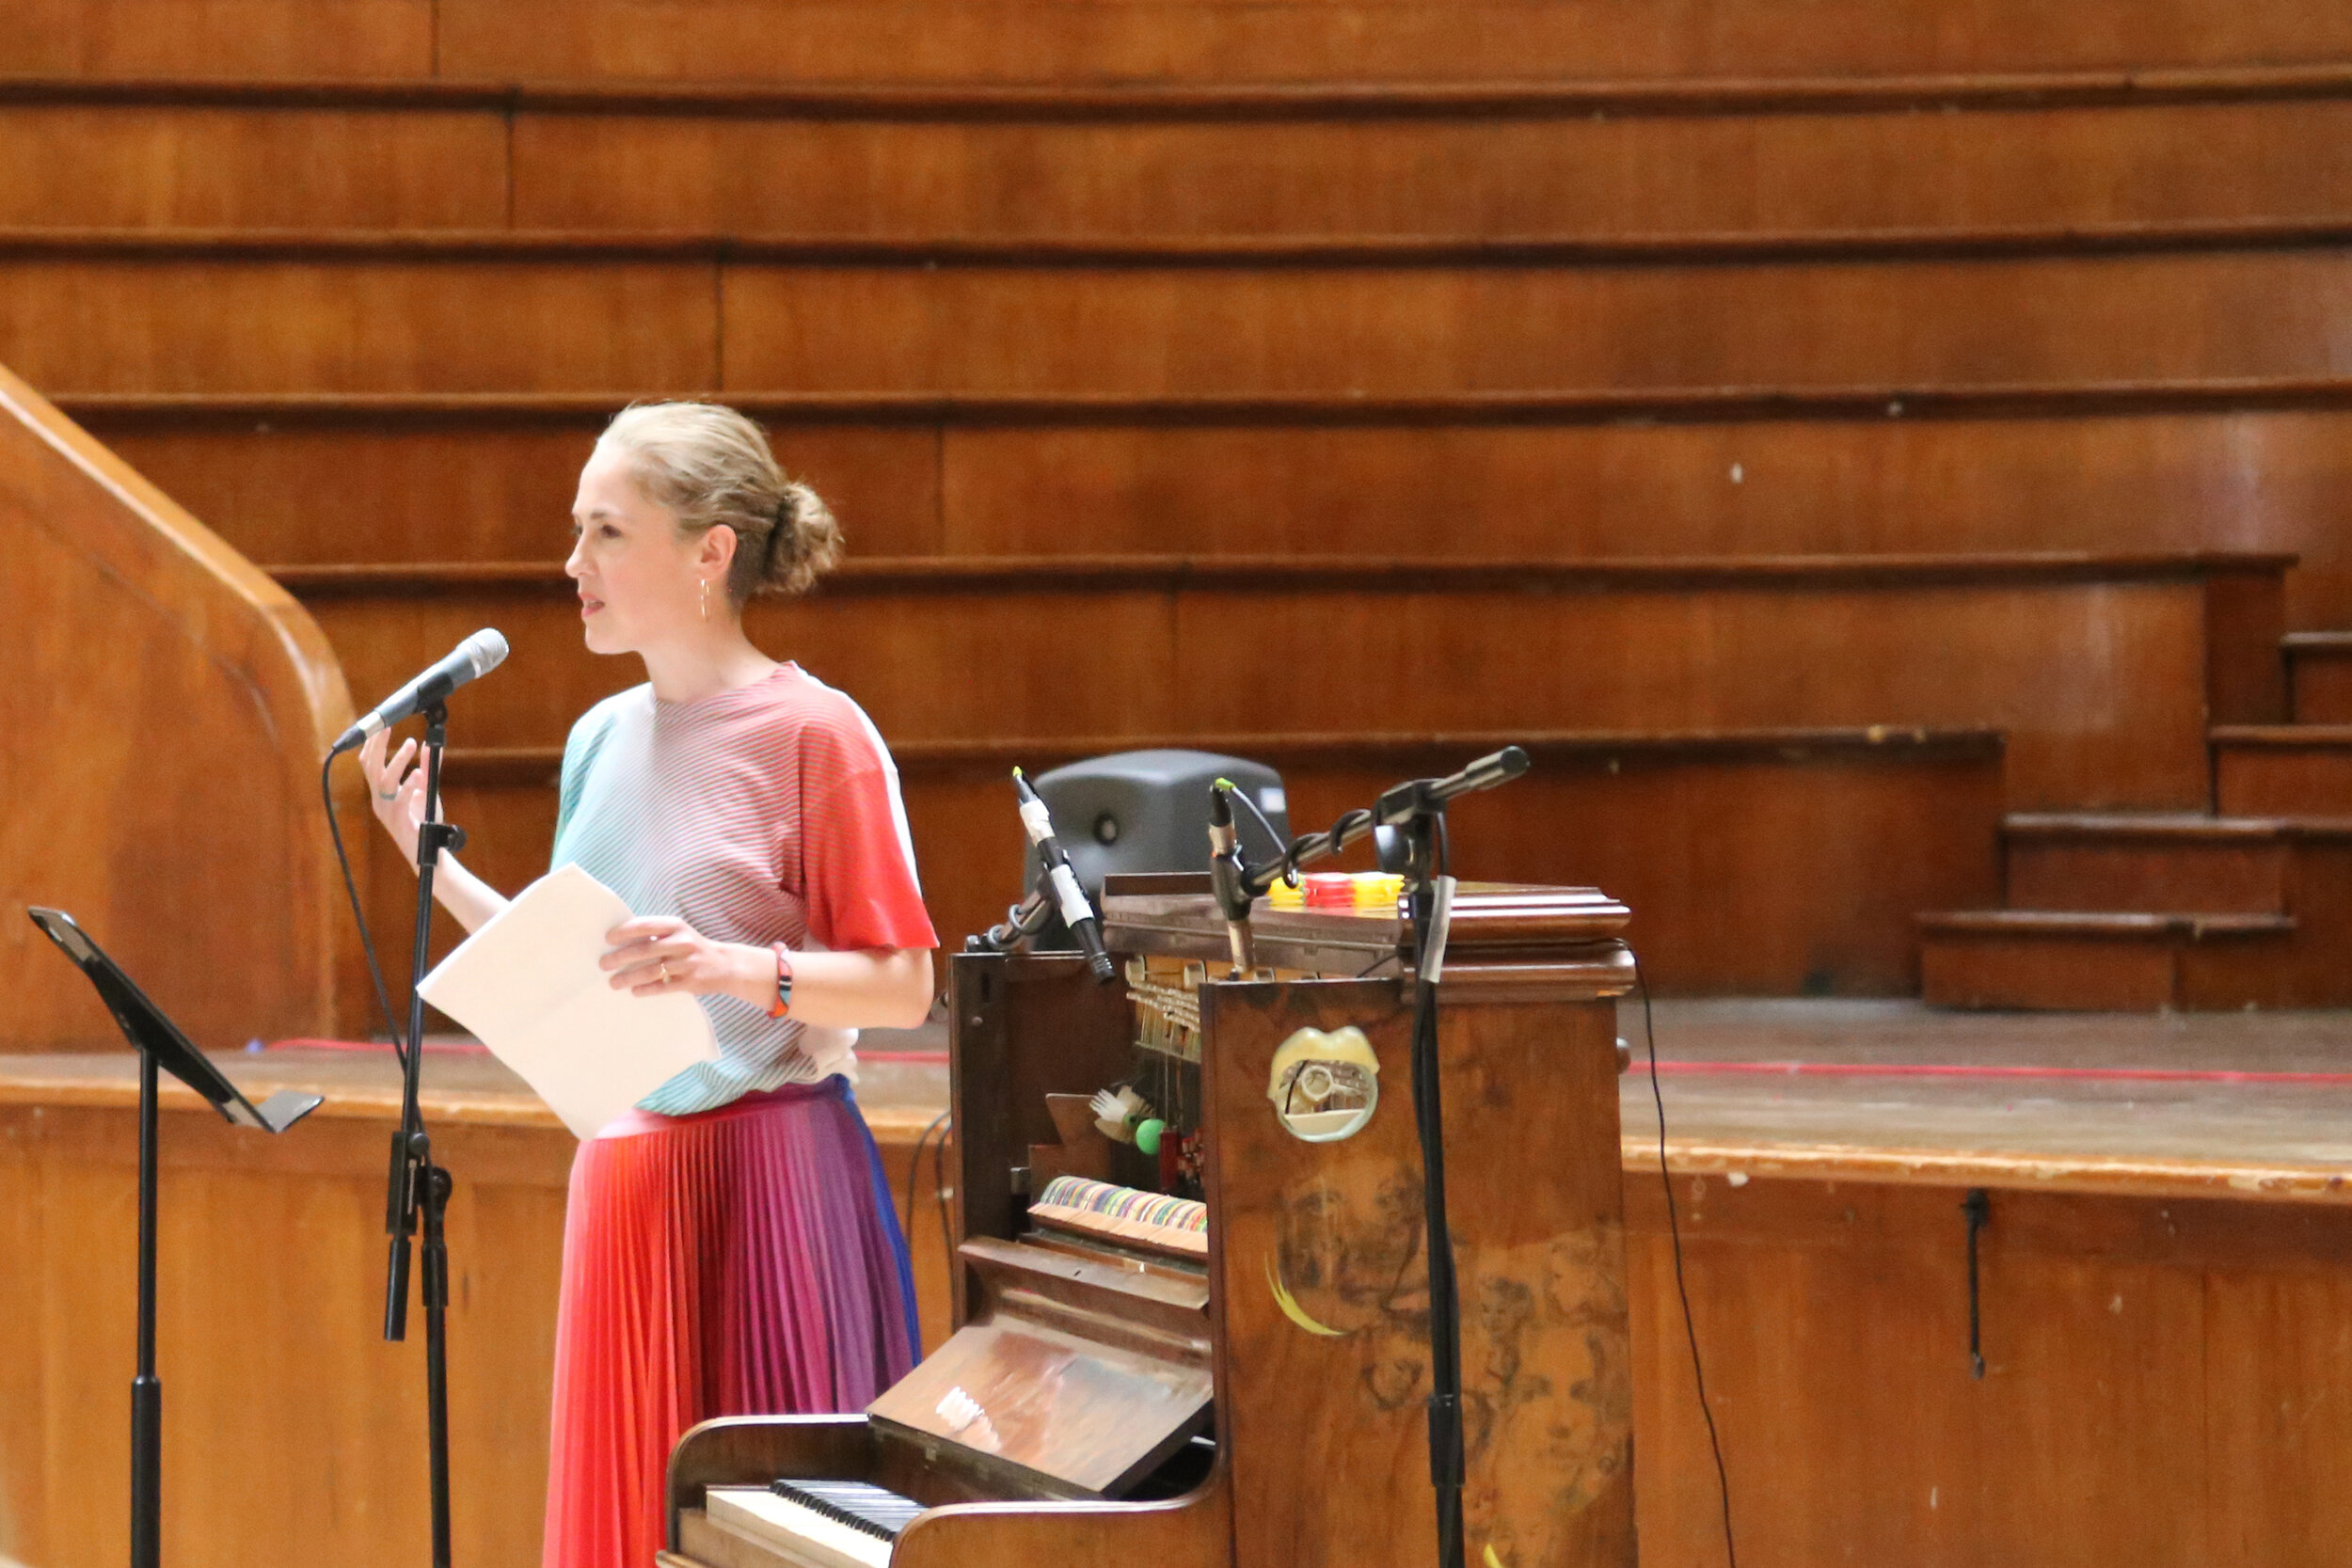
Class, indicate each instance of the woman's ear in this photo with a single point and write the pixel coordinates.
(717, 551)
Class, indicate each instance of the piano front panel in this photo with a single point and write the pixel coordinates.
(1322, 1283)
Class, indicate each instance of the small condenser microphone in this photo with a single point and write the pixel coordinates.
(476, 657)
(1076, 912)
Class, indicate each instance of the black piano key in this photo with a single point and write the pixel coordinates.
(859, 1504)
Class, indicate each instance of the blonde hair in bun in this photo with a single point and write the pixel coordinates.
(709, 464)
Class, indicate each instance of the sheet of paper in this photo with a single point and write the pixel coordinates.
(529, 986)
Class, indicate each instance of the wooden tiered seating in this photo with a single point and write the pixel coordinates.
(2248, 904)
(361, 300)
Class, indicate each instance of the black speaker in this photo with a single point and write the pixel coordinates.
(1148, 811)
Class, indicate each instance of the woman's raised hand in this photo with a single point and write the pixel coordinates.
(395, 790)
(658, 953)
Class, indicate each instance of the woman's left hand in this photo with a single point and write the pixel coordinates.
(659, 954)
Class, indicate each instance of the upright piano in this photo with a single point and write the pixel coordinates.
(1193, 1317)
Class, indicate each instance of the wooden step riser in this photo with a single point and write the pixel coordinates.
(2064, 973)
(73, 325)
(2077, 976)
(2322, 686)
(1515, 176)
(2302, 968)
(1754, 875)
(1018, 40)
(2283, 781)
(945, 664)
(2153, 876)
(471, 489)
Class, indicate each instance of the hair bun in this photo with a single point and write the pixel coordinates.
(805, 540)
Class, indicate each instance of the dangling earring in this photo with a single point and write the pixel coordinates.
(706, 599)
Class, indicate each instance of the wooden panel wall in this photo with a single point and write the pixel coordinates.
(456, 322)
(2153, 1393)
(2158, 1392)
(234, 39)
(165, 710)
(292, 1432)
(1561, 160)
(1764, 864)
(101, 167)
(1146, 41)
(950, 661)
(1585, 170)
(290, 488)
(1231, 39)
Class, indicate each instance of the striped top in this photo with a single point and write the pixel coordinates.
(765, 813)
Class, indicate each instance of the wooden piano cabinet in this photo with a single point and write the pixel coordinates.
(1322, 1280)
(1025, 1028)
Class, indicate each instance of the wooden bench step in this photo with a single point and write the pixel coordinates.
(2284, 770)
(1768, 862)
(2164, 862)
(2319, 676)
(932, 647)
(2077, 960)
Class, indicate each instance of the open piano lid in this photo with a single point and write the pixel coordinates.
(1077, 1415)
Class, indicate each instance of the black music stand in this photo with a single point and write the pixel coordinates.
(160, 1044)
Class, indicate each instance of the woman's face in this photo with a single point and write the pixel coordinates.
(640, 581)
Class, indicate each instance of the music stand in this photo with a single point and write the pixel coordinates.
(160, 1044)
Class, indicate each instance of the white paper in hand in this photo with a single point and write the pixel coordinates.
(529, 986)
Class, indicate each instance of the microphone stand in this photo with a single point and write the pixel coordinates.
(1415, 808)
(419, 1190)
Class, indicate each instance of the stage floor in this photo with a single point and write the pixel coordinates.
(2245, 1104)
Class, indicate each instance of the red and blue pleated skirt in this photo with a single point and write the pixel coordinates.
(741, 1262)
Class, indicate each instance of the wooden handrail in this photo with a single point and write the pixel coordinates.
(1297, 574)
(163, 717)
(1368, 100)
(1594, 405)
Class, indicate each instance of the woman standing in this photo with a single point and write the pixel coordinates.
(729, 1248)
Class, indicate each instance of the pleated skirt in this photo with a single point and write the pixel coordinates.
(746, 1260)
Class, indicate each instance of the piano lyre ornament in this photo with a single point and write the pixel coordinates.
(1114, 1395)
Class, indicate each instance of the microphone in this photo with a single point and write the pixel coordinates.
(1229, 876)
(1076, 912)
(476, 657)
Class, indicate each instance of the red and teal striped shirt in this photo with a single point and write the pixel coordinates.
(767, 813)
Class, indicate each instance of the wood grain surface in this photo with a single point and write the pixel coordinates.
(1139, 41)
(1336, 1229)
(165, 710)
(480, 482)
(1820, 1217)
(962, 662)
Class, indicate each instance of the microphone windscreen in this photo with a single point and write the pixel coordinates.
(487, 650)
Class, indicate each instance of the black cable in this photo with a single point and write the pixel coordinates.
(351, 889)
(915, 1165)
(939, 1190)
(1674, 1230)
(1251, 806)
